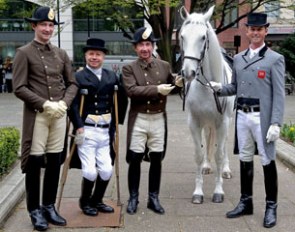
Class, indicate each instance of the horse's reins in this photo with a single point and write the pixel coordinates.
(207, 84)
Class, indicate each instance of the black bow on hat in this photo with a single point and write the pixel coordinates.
(95, 44)
(144, 34)
(43, 13)
(257, 19)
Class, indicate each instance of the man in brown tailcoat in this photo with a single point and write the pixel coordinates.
(43, 79)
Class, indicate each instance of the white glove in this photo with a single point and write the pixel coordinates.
(79, 138)
(61, 109)
(216, 85)
(50, 108)
(165, 89)
(179, 81)
(273, 133)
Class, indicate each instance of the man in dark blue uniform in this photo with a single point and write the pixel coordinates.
(95, 127)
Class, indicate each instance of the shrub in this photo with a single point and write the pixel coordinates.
(288, 133)
(9, 145)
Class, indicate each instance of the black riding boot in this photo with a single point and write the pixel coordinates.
(84, 201)
(245, 206)
(50, 186)
(134, 172)
(96, 199)
(271, 190)
(154, 182)
(32, 181)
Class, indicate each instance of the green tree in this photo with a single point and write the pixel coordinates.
(161, 15)
(287, 48)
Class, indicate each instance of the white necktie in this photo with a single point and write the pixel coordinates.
(252, 54)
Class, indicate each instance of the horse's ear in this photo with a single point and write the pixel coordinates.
(209, 13)
(183, 13)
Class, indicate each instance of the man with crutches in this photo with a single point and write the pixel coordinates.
(95, 128)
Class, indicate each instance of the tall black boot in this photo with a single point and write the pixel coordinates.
(245, 206)
(84, 201)
(50, 186)
(134, 173)
(271, 190)
(32, 181)
(154, 182)
(99, 191)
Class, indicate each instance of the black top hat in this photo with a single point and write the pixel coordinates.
(257, 19)
(43, 13)
(144, 34)
(95, 44)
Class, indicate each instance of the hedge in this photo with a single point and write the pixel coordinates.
(9, 145)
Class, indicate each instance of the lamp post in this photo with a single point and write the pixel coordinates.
(58, 26)
(88, 20)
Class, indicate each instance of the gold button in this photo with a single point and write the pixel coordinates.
(147, 82)
(145, 74)
(147, 111)
(159, 82)
(96, 111)
(95, 103)
(51, 98)
(161, 101)
(148, 102)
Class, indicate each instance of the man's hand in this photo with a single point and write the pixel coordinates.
(79, 138)
(165, 89)
(179, 81)
(273, 133)
(216, 85)
(61, 109)
(50, 108)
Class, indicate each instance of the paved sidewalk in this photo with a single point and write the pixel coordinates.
(177, 186)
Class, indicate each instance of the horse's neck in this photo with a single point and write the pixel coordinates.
(214, 57)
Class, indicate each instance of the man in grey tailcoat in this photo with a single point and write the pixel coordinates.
(258, 83)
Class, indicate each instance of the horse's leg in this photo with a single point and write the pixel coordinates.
(226, 172)
(196, 131)
(218, 195)
(209, 141)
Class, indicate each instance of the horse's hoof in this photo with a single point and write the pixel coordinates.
(206, 171)
(218, 198)
(197, 199)
(226, 175)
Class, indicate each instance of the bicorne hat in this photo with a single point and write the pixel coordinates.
(43, 13)
(95, 44)
(257, 19)
(144, 34)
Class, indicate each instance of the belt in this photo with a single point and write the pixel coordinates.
(97, 125)
(248, 109)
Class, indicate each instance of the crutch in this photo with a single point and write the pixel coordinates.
(117, 145)
(65, 170)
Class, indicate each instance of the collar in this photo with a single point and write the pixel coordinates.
(145, 65)
(97, 71)
(256, 50)
(42, 47)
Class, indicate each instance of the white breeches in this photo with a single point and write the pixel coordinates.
(249, 132)
(48, 135)
(149, 129)
(94, 154)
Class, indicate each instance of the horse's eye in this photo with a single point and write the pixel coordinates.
(204, 37)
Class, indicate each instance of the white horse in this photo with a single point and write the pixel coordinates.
(203, 62)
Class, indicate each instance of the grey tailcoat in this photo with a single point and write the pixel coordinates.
(263, 78)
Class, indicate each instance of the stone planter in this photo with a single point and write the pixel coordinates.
(286, 154)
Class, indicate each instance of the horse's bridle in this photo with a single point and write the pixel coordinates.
(207, 84)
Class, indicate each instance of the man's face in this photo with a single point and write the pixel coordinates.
(94, 58)
(43, 31)
(144, 50)
(256, 35)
